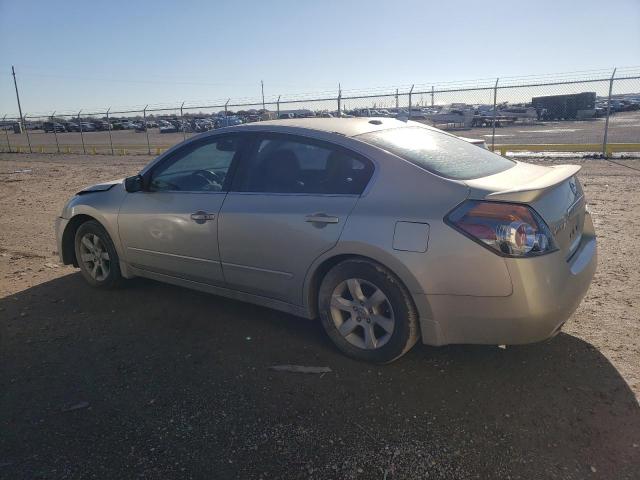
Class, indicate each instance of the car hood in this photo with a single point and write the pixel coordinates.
(100, 187)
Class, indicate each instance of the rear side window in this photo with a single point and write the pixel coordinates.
(284, 164)
(438, 153)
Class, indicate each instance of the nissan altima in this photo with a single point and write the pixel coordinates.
(389, 232)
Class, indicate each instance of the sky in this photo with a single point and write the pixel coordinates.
(73, 54)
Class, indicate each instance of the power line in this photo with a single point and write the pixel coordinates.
(479, 85)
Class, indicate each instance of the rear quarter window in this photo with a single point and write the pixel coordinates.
(439, 153)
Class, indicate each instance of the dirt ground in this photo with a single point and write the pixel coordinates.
(155, 381)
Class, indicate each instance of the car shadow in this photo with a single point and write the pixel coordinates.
(153, 378)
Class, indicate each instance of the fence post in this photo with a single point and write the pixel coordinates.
(278, 108)
(432, 92)
(410, 93)
(397, 101)
(55, 128)
(606, 122)
(184, 133)
(146, 130)
(339, 100)
(109, 127)
(495, 102)
(26, 130)
(7, 133)
(84, 150)
(225, 109)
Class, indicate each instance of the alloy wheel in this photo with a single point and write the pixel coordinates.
(362, 313)
(94, 256)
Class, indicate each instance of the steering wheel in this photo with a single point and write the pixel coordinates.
(210, 177)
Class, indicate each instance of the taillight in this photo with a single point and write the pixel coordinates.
(508, 228)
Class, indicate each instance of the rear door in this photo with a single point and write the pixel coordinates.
(171, 228)
(290, 199)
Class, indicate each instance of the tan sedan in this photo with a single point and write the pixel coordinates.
(386, 231)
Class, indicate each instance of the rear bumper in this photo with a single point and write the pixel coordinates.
(546, 291)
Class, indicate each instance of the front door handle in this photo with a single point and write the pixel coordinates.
(321, 218)
(201, 216)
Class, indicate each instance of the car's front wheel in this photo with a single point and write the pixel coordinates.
(367, 312)
(97, 256)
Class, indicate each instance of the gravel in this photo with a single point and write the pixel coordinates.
(154, 381)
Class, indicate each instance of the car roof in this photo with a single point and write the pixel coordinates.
(348, 127)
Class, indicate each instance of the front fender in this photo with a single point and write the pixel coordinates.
(103, 206)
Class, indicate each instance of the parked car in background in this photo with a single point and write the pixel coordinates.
(227, 121)
(53, 127)
(122, 125)
(478, 142)
(387, 231)
(101, 125)
(166, 127)
(87, 127)
(72, 127)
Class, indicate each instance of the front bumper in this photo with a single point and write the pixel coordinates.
(60, 225)
(546, 291)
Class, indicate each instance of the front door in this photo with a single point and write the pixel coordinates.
(289, 202)
(171, 227)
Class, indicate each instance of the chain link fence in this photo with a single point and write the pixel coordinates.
(595, 112)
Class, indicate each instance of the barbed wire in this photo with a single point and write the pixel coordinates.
(423, 88)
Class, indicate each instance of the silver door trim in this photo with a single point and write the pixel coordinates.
(257, 269)
(198, 192)
(165, 254)
(295, 194)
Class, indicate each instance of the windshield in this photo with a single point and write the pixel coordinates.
(439, 153)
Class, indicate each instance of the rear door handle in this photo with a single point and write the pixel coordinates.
(321, 218)
(201, 216)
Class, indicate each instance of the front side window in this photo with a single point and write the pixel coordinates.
(201, 167)
(437, 152)
(290, 165)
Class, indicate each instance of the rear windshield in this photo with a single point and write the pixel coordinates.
(439, 153)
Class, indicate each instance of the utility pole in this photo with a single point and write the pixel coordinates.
(410, 93)
(606, 124)
(262, 87)
(495, 104)
(15, 84)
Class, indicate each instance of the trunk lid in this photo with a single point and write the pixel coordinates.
(554, 192)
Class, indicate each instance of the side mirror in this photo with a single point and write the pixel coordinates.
(133, 184)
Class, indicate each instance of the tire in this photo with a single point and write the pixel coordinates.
(106, 274)
(361, 329)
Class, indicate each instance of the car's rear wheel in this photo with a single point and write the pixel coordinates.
(367, 312)
(96, 255)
